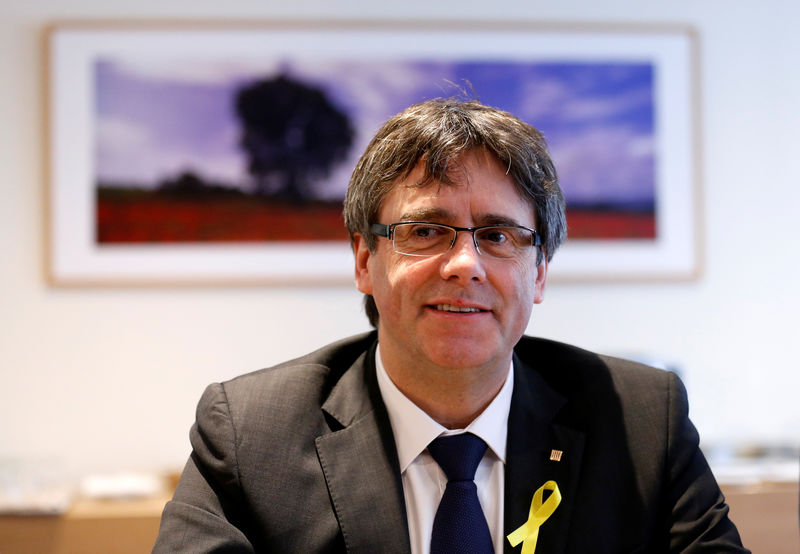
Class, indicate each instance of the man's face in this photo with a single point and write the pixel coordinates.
(416, 296)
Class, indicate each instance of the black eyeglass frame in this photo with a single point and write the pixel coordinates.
(387, 231)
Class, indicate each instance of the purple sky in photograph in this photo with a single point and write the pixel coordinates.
(160, 118)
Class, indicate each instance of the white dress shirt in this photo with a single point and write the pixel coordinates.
(424, 481)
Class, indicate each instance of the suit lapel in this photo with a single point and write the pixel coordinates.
(359, 461)
(532, 437)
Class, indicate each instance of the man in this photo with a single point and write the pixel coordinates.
(454, 213)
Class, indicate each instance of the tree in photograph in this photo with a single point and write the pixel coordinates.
(293, 136)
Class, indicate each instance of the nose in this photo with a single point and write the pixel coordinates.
(463, 262)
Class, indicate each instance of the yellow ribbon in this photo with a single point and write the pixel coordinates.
(528, 532)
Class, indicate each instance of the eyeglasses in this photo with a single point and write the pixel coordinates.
(421, 238)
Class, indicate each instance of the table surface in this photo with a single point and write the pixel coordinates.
(766, 515)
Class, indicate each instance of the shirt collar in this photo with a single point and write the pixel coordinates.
(414, 429)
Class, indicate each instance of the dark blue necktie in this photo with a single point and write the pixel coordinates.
(459, 525)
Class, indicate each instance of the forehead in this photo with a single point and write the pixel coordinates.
(479, 190)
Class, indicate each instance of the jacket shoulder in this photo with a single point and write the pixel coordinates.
(564, 366)
(287, 393)
(326, 364)
(592, 383)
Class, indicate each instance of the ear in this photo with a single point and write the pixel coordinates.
(541, 280)
(362, 255)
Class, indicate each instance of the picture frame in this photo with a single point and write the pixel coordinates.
(91, 66)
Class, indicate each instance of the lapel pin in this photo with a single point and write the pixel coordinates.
(555, 455)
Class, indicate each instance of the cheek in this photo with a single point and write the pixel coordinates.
(519, 286)
(408, 271)
(388, 278)
(403, 284)
(377, 278)
(522, 276)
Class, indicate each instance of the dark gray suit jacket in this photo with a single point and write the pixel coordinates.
(301, 458)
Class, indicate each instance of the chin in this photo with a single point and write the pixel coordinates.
(461, 353)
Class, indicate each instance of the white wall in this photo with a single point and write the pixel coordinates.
(106, 380)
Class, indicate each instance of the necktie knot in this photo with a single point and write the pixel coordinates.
(458, 455)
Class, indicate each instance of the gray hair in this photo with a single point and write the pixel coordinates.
(437, 132)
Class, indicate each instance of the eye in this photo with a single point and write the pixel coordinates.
(426, 232)
(495, 235)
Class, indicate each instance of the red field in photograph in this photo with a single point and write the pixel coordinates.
(160, 218)
(607, 224)
(151, 217)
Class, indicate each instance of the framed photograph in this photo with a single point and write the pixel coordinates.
(220, 154)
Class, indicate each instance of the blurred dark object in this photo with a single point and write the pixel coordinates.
(293, 136)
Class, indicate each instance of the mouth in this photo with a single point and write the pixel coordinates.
(456, 309)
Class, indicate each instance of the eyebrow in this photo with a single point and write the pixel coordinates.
(426, 214)
(439, 215)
